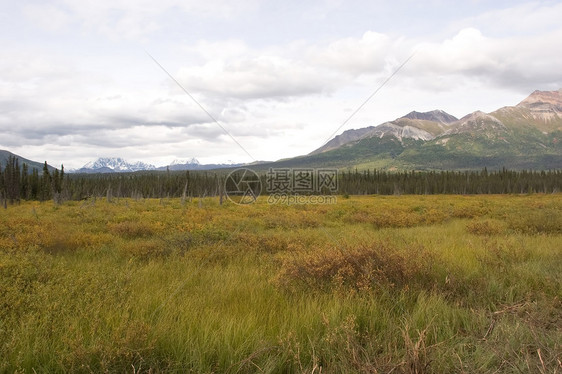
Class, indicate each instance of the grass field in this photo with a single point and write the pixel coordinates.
(401, 284)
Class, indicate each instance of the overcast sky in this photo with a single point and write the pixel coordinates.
(76, 82)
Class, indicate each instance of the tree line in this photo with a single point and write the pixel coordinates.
(18, 183)
(449, 182)
(148, 184)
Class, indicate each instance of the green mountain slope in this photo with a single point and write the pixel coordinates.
(491, 140)
(379, 151)
(526, 136)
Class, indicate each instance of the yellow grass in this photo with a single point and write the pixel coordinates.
(371, 284)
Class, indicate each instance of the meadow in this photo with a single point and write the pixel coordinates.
(371, 284)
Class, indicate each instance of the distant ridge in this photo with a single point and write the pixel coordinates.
(113, 165)
(120, 165)
(4, 155)
(346, 137)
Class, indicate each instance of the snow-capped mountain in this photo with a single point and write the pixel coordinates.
(113, 165)
(120, 165)
(194, 164)
(185, 161)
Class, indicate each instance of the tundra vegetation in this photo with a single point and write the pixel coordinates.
(372, 284)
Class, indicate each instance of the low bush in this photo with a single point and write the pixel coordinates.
(146, 248)
(486, 227)
(363, 268)
(131, 229)
(538, 221)
(272, 243)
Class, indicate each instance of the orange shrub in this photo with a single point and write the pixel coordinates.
(486, 227)
(539, 221)
(433, 216)
(469, 209)
(146, 248)
(131, 229)
(271, 243)
(356, 268)
(396, 219)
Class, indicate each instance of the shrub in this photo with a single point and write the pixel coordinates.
(540, 221)
(433, 216)
(271, 243)
(397, 218)
(130, 229)
(470, 209)
(291, 219)
(486, 227)
(146, 248)
(350, 268)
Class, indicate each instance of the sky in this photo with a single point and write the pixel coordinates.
(260, 80)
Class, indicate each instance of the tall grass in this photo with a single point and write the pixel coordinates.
(404, 284)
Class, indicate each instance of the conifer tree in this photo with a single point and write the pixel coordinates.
(46, 187)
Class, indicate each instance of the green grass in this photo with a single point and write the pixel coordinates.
(403, 284)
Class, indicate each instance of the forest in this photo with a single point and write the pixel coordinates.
(18, 183)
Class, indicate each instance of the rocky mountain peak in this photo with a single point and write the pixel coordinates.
(114, 164)
(543, 100)
(476, 122)
(344, 138)
(434, 115)
(185, 161)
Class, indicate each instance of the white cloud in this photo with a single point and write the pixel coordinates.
(258, 78)
(356, 56)
(530, 18)
(47, 16)
(516, 63)
(128, 19)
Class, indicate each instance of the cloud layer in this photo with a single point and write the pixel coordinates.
(78, 85)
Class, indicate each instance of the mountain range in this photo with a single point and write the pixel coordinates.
(525, 136)
(113, 165)
(119, 165)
